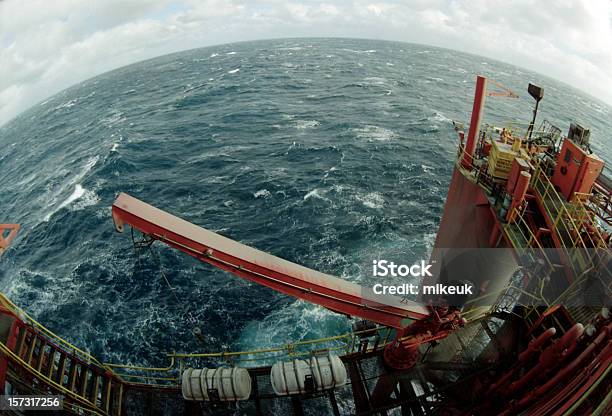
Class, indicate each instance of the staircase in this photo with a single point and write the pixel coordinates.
(32, 362)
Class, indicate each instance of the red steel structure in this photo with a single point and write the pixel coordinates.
(534, 198)
(336, 294)
(281, 275)
(7, 234)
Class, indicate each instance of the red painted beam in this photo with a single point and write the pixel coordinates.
(7, 234)
(477, 109)
(265, 269)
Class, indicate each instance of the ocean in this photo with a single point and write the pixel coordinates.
(320, 151)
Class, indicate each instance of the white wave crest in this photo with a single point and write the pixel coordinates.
(77, 193)
(440, 117)
(67, 104)
(372, 200)
(317, 194)
(262, 193)
(306, 124)
(295, 322)
(113, 118)
(87, 198)
(375, 80)
(377, 133)
(355, 51)
(79, 199)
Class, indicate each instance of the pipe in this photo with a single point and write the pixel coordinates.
(520, 190)
(533, 346)
(568, 369)
(477, 110)
(536, 344)
(551, 357)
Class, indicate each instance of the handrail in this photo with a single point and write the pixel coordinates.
(580, 213)
(148, 376)
(60, 340)
(550, 191)
(176, 359)
(569, 221)
(287, 347)
(14, 357)
(580, 207)
(541, 180)
(531, 240)
(135, 367)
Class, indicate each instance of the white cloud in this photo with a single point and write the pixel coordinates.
(48, 46)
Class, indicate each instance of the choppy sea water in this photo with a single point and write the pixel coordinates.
(319, 151)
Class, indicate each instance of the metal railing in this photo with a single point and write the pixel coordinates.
(581, 245)
(81, 402)
(573, 224)
(358, 341)
(363, 341)
(61, 342)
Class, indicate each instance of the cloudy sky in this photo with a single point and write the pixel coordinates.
(49, 45)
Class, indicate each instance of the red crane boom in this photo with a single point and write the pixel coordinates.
(265, 269)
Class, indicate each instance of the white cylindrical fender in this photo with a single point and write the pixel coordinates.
(300, 377)
(225, 384)
(329, 371)
(289, 377)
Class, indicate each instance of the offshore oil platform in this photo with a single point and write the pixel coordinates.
(526, 223)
